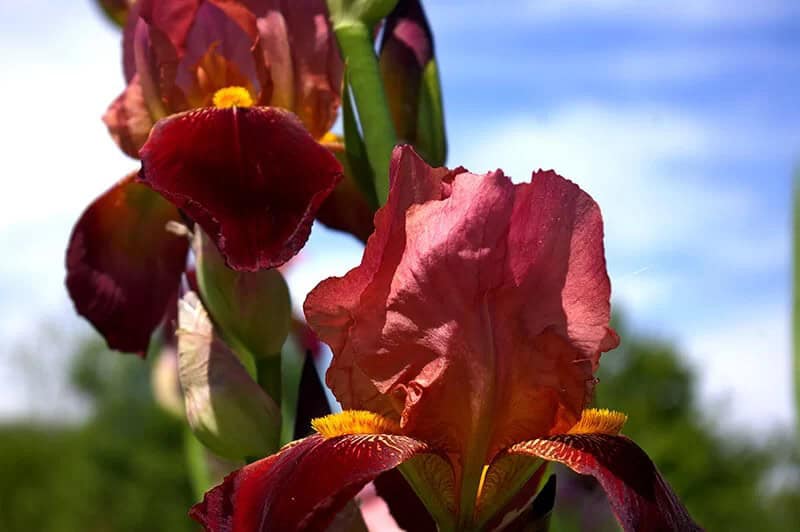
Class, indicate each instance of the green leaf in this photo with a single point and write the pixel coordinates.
(291, 372)
(355, 150)
(431, 138)
(366, 86)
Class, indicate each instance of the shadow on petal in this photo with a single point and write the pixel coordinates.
(640, 497)
(123, 266)
(253, 178)
(304, 486)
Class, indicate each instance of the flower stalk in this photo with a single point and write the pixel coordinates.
(361, 63)
(796, 296)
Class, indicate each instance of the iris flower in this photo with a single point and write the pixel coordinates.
(465, 345)
(227, 104)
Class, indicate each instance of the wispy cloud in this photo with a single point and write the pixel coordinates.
(687, 251)
(684, 14)
(700, 12)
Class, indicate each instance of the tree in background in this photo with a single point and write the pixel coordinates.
(124, 468)
(121, 470)
(726, 481)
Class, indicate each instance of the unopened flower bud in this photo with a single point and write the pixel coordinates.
(225, 408)
(165, 383)
(367, 11)
(252, 309)
(411, 81)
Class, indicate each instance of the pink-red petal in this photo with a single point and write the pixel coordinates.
(128, 119)
(253, 178)
(639, 496)
(123, 266)
(303, 486)
(303, 57)
(479, 311)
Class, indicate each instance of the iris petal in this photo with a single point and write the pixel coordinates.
(640, 497)
(253, 178)
(304, 486)
(123, 266)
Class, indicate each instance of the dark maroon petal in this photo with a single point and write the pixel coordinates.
(406, 49)
(123, 266)
(303, 486)
(312, 402)
(221, 50)
(639, 496)
(404, 505)
(253, 178)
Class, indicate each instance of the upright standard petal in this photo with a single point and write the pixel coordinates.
(478, 312)
(304, 486)
(128, 119)
(253, 178)
(332, 306)
(640, 497)
(222, 50)
(303, 58)
(123, 266)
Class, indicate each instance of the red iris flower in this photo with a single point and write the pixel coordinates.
(205, 79)
(464, 346)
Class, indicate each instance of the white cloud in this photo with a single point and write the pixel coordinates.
(746, 372)
(672, 239)
(619, 155)
(700, 12)
(457, 17)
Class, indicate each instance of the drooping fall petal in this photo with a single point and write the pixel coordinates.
(479, 310)
(302, 487)
(640, 497)
(253, 178)
(123, 266)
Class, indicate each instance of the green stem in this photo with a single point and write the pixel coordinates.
(199, 476)
(269, 376)
(355, 41)
(796, 297)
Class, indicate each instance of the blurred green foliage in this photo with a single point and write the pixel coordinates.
(122, 470)
(727, 481)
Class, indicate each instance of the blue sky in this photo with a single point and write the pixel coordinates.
(681, 118)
